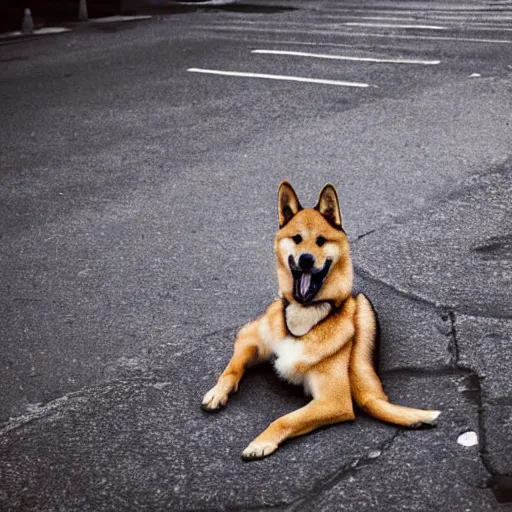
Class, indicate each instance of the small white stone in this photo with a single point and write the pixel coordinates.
(475, 75)
(374, 454)
(468, 439)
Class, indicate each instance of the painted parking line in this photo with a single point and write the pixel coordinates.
(278, 77)
(433, 38)
(208, 2)
(422, 17)
(392, 25)
(486, 28)
(45, 31)
(347, 57)
(118, 19)
(230, 28)
(466, 26)
(371, 18)
(461, 9)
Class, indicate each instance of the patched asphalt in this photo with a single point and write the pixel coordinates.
(137, 212)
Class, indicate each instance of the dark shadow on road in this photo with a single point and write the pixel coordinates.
(502, 488)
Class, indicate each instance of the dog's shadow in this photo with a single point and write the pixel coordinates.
(262, 386)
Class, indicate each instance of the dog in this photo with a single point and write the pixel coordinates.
(319, 333)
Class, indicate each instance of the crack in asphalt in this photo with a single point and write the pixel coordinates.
(73, 398)
(340, 474)
(453, 346)
(224, 330)
(477, 393)
(453, 365)
(358, 237)
(366, 274)
(497, 482)
(500, 484)
(402, 293)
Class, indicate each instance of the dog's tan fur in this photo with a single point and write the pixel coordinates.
(326, 345)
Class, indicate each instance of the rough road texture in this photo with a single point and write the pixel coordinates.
(137, 211)
(456, 256)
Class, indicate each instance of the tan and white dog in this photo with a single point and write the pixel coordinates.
(320, 334)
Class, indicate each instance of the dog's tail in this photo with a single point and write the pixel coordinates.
(365, 385)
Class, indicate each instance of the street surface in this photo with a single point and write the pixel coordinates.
(139, 169)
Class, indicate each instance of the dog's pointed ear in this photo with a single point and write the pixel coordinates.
(329, 206)
(287, 203)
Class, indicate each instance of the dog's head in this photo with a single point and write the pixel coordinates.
(312, 250)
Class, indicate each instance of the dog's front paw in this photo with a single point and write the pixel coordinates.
(258, 450)
(215, 399)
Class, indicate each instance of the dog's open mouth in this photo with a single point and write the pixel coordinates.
(306, 284)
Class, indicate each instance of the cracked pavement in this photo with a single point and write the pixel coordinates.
(137, 212)
(468, 284)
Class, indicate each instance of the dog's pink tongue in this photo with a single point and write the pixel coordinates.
(305, 281)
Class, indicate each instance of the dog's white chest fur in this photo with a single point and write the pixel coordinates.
(300, 320)
(289, 351)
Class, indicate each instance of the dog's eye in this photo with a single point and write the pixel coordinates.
(320, 241)
(297, 239)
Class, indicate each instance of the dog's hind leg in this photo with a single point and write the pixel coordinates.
(332, 403)
(248, 349)
(366, 386)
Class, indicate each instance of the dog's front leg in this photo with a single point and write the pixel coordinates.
(316, 414)
(248, 349)
(332, 403)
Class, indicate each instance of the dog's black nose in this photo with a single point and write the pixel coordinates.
(306, 261)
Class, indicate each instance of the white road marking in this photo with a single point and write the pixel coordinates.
(230, 28)
(346, 57)
(462, 9)
(208, 2)
(487, 28)
(470, 17)
(372, 18)
(119, 18)
(278, 77)
(438, 38)
(393, 25)
(420, 17)
(467, 26)
(51, 30)
(454, 23)
(298, 43)
(37, 32)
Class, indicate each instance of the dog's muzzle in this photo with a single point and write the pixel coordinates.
(307, 283)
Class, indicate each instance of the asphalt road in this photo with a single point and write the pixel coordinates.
(137, 212)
